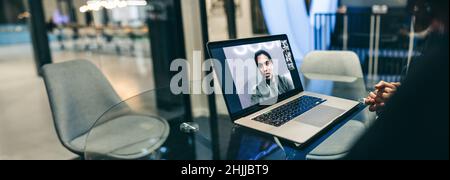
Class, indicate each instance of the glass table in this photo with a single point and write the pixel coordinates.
(158, 125)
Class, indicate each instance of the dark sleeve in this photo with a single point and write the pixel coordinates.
(287, 84)
(406, 70)
(415, 124)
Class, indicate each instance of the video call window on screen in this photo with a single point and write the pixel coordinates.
(261, 71)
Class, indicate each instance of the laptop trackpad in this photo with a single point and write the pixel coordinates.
(320, 116)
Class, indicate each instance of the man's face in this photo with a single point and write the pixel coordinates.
(265, 65)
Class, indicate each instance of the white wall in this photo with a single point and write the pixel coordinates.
(244, 19)
(49, 8)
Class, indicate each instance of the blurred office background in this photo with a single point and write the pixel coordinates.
(124, 40)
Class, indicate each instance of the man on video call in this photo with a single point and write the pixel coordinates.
(273, 85)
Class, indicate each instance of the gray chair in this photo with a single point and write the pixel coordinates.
(344, 69)
(332, 65)
(78, 94)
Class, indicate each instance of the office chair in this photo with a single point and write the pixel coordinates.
(78, 94)
(338, 67)
(332, 65)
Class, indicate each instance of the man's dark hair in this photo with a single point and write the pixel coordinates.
(430, 9)
(439, 9)
(262, 52)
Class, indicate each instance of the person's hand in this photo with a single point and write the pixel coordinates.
(372, 103)
(384, 91)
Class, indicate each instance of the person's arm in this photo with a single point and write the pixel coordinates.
(255, 98)
(287, 83)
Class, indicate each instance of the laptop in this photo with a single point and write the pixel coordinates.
(263, 91)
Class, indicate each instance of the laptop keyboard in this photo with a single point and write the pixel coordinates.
(289, 111)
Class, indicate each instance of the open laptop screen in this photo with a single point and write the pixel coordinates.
(255, 73)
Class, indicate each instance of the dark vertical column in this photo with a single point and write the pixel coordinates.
(39, 36)
(9, 11)
(167, 44)
(73, 20)
(105, 17)
(212, 97)
(89, 18)
(258, 22)
(308, 6)
(316, 38)
(2, 12)
(166, 36)
(72, 12)
(230, 10)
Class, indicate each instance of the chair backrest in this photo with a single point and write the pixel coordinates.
(78, 94)
(332, 63)
(341, 67)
